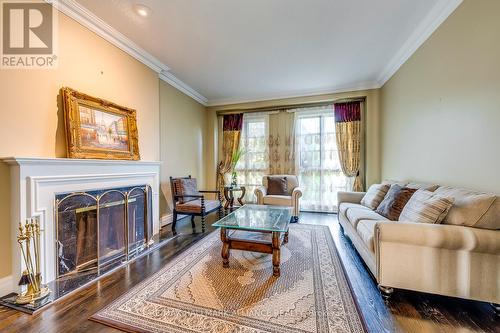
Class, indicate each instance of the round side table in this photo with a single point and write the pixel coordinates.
(229, 196)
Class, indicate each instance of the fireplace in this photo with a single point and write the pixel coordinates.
(95, 215)
(101, 229)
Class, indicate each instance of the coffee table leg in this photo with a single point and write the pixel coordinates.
(225, 247)
(285, 239)
(276, 253)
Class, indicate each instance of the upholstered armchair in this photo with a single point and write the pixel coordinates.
(188, 200)
(290, 198)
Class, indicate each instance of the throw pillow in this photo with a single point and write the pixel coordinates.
(394, 201)
(375, 195)
(426, 207)
(277, 185)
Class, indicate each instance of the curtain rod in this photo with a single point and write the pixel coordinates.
(289, 106)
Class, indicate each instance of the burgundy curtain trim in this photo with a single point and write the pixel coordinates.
(347, 112)
(233, 122)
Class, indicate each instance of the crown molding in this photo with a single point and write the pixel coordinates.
(439, 13)
(297, 94)
(89, 20)
(176, 83)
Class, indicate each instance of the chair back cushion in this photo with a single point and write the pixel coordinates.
(292, 182)
(185, 186)
(426, 207)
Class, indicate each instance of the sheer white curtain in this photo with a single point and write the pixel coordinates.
(254, 163)
(318, 165)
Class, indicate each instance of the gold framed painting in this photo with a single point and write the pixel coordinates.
(96, 128)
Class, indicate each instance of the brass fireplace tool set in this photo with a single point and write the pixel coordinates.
(29, 241)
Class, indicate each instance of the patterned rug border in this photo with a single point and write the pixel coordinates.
(185, 252)
(346, 277)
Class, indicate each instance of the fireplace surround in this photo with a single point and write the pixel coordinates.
(39, 185)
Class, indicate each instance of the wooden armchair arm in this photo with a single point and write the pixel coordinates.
(189, 196)
(219, 197)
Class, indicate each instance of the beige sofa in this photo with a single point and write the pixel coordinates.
(445, 259)
(291, 199)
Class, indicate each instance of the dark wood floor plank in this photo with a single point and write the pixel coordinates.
(406, 312)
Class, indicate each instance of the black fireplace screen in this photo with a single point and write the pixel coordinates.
(101, 229)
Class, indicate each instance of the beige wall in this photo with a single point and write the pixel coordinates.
(372, 127)
(32, 125)
(441, 111)
(183, 131)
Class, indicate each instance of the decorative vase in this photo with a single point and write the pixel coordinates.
(234, 179)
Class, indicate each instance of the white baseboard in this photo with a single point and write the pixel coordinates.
(6, 285)
(166, 220)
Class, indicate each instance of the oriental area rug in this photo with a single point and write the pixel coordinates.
(194, 293)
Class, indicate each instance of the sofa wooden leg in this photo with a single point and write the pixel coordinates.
(386, 292)
(496, 308)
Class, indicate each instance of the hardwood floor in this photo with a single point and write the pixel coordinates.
(405, 312)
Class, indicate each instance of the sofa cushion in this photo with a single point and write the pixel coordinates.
(392, 182)
(375, 195)
(394, 201)
(366, 231)
(277, 185)
(490, 219)
(423, 186)
(278, 200)
(344, 206)
(469, 206)
(354, 215)
(426, 207)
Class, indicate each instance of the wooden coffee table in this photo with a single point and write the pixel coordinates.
(261, 219)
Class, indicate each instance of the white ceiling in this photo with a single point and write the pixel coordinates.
(223, 51)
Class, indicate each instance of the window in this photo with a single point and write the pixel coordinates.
(253, 165)
(319, 170)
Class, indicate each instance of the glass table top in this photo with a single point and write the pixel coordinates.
(257, 217)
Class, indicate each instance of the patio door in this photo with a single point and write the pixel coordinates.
(320, 173)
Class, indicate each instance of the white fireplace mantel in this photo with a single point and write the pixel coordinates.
(36, 181)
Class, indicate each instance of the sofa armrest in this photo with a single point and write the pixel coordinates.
(296, 193)
(260, 192)
(450, 237)
(350, 197)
